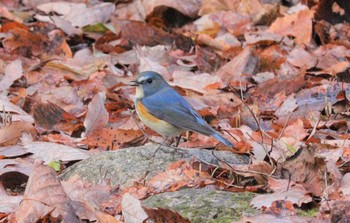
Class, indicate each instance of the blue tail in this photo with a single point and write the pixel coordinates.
(219, 137)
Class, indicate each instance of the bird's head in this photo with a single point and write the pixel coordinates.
(147, 83)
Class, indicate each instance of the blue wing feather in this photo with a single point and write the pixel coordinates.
(170, 106)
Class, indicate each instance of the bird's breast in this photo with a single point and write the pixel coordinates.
(162, 127)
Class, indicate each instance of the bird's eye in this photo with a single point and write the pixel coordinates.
(149, 80)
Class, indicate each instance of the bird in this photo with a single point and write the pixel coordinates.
(164, 110)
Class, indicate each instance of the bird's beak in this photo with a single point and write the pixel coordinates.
(134, 83)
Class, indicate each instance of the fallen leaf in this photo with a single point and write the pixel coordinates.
(41, 39)
(238, 71)
(13, 71)
(223, 43)
(97, 115)
(298, 25)
(187, 7)
(196, 82)
(85, 196)
(78, 14)
(49, 116)
(164, 215)
(299, 57)
(178, 175)
(287, 107)
(44, 194)
(11, 134)
(12, 151)
(262, 37)
(9, 203)
(50, 152)
(295, 194)
(19, 114)
(235, 23)
(112, 139)
(344, 187)
(132, 209)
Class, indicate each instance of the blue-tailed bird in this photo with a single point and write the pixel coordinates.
(165, 111)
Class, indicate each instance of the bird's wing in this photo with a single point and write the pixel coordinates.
(171, 107)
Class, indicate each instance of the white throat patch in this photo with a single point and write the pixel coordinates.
(139, 92)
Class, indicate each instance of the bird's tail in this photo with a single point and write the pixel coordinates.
(219, 137)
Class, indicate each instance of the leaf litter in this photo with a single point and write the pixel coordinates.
(272, 77)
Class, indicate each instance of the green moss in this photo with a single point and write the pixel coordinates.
(205, 205)
(307, 213)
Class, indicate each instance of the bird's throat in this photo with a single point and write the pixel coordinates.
(139, 93)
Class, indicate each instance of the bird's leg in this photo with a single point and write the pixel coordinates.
(159, 147)
(178, 139)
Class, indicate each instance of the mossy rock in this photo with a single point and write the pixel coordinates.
(205, 205)
(125, 166)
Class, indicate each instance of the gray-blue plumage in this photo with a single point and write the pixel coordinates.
(163, 102)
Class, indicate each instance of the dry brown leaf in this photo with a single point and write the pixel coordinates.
(187, 7)
(45, 40)
(49, 116)
(295, 194)
(9, 203)
(11, 134)
(13, 71)
(12, 165)
(78, 14)
(65, 97)
(296, 130)
(43, 195)
(334, 209)
(154, 59)
(234, 23)
(50, 152)
(258, 12)
(17, 113)
(197, 140)
(138, 33)
(305, 169)
(262, 37)
(103, 217)
(209, 6)
(12, 151)
(164, 215)
(134, 11)
(239, 70)
(258, 170)
(222, 43)
(301, 58)
(196, 82)
(109, 138)
(4, 12)
(83, 65)
(178, 175)
(97, 115)
(298, 25)
(344, 187)
(13, 175)
(87, 198)
(132, 209)
(287, 107)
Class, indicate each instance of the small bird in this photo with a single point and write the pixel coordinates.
(165, 111)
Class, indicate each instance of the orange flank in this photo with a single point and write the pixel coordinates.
(162, 127)
(143, 112)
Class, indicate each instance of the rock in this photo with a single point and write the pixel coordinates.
(125, 166)
(205, 205)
